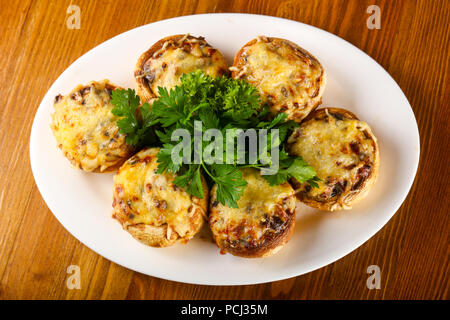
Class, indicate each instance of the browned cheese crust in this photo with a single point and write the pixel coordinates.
(151, 207)
(344, 153)
(289, 79)
(86, 130)
(261, 225)
(163, 64)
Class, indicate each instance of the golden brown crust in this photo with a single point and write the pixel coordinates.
(269, 248)
(113, 168)
(144, 89)
(255, 229)
(86, 130)
(299, 108)
(159, 236)
(321, 114)
(153, 234)
(350, 194)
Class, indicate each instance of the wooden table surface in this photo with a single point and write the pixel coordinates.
(412, 249)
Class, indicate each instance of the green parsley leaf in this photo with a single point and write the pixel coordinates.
(126, 106)
(195, 186)
(230, 184)
(165, 160)
(241, 101)
(169, 108)
(191, 180)
(293, 167)
(300, 170)
(209, 119)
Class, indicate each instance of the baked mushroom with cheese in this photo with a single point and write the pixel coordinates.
(86, 130)
(163, 64)
(343, 151)
(263, 222)
(289, 79)
(151, 207)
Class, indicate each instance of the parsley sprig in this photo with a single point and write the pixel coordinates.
(221, 103)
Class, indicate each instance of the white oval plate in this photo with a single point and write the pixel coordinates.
(82, 201)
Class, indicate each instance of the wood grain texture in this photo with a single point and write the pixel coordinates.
(411, 250)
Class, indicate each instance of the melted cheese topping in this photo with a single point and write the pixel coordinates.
(335, 148)
(152, 198)
(256, 207)
(85, 128)
(289, 80)
(166, 66)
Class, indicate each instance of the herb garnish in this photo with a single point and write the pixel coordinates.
(221, 103)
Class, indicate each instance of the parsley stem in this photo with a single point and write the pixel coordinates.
(252, 166)
(192, 111)
(204, 167)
